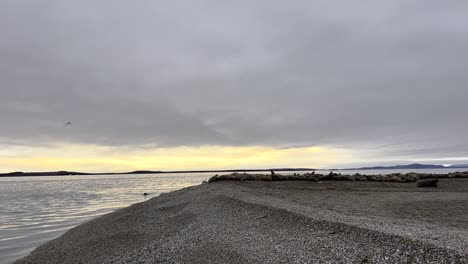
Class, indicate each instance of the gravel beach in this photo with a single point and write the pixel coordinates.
(278, 222)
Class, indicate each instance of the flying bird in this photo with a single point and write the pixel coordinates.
(68, 124)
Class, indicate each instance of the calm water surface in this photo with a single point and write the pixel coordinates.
(34, 210)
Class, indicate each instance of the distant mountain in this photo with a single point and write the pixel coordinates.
(458, 166)
(414, 166)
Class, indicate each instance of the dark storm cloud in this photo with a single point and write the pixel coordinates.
(340, 73)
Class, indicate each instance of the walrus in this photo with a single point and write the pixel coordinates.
(427, 183)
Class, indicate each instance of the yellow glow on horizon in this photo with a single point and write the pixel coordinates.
(90, 158)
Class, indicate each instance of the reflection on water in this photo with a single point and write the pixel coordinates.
(34, 210)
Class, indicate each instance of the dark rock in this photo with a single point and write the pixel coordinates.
(427, 183)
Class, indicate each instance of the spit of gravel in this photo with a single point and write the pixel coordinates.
(264, 222)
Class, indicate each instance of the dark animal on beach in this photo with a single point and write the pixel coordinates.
(145, 194)
(427, 183)
(272, 172)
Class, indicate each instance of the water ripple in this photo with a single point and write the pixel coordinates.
(35, 210)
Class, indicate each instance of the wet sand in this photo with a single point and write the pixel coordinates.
(278, 222)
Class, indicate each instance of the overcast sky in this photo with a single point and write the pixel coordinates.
(387, 76)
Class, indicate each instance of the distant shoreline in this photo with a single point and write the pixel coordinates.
(415, 166)
(73, 173)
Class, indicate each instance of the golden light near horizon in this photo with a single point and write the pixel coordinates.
(90, 158)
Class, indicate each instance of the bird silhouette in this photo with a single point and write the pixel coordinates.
(68, 124)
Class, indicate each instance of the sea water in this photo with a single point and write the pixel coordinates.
(34, 210)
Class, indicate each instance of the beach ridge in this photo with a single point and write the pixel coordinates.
(269, 222)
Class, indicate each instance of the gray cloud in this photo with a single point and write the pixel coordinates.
(341, 73)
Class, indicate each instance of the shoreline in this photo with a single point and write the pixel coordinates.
(74, 173)
(254, 222)
(345, 171)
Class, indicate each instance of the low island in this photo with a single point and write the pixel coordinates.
(270, 218)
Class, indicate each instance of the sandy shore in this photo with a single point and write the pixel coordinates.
(278, 222)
